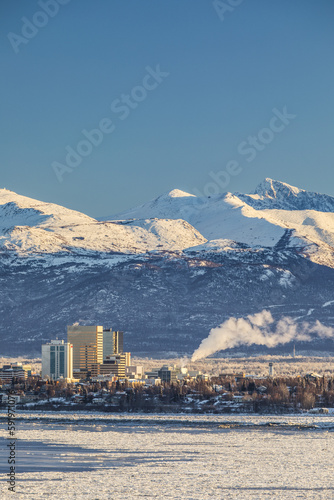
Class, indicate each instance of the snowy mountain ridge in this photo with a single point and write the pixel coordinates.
(257, 220)
(271, 194)
(29, 226)
(165, 272)
(176, 221)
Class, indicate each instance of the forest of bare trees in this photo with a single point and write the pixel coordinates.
(217, 395)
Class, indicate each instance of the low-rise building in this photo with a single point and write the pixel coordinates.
(167, 374)
(14, 370)
(238, 376)
(134, 371)
(152, 381)
(152, 374)
(112, 365)
(104, 378)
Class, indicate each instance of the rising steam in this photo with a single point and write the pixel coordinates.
(260, 329)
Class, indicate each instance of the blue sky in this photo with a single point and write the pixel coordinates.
(226, 74)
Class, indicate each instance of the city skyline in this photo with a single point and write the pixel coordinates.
(166, 169)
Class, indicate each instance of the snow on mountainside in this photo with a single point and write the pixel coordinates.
(275, 216)
(276, 212)
(118, 236)
(220, 216)
(279, 195)
(166, 272)
(30, 226)
(17, 210)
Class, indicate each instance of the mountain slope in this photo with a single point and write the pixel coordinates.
(165, 272)
(220, 216)
(174, 221)
(257, 220)
(28, 226)
(17, 210)
(166, 305)
(273, 194)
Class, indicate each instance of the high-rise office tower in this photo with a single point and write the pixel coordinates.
(57, 359)
(88, 357)
(118, 342)
(86, 341)
(112, 343)
(108, 342)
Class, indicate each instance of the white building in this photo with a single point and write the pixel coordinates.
(57, 360)
(134, 371)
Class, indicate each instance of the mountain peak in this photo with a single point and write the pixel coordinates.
(269, 188)
(278, 195)
(177, 193)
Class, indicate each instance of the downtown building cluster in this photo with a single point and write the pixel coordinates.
(93, 353)
(96, 353)
(90, 352)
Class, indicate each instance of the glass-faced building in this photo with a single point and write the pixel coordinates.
(57, 360)
(112, 343)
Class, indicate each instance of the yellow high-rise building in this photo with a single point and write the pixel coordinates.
(87, 344)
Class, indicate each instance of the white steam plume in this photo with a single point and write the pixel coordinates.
(259, 329)
(184, 361)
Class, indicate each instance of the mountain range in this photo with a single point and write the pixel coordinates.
(165, 272)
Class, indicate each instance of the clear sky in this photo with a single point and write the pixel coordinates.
(210, 90)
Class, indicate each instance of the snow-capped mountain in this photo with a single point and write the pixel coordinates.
(276, 212)
(30, 226)
(272, 194)
(167, 271)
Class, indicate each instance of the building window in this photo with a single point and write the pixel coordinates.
(52, 362)
(61, 364)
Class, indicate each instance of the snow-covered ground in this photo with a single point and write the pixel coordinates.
(283, 366)
(176, 457)
(257, 366)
